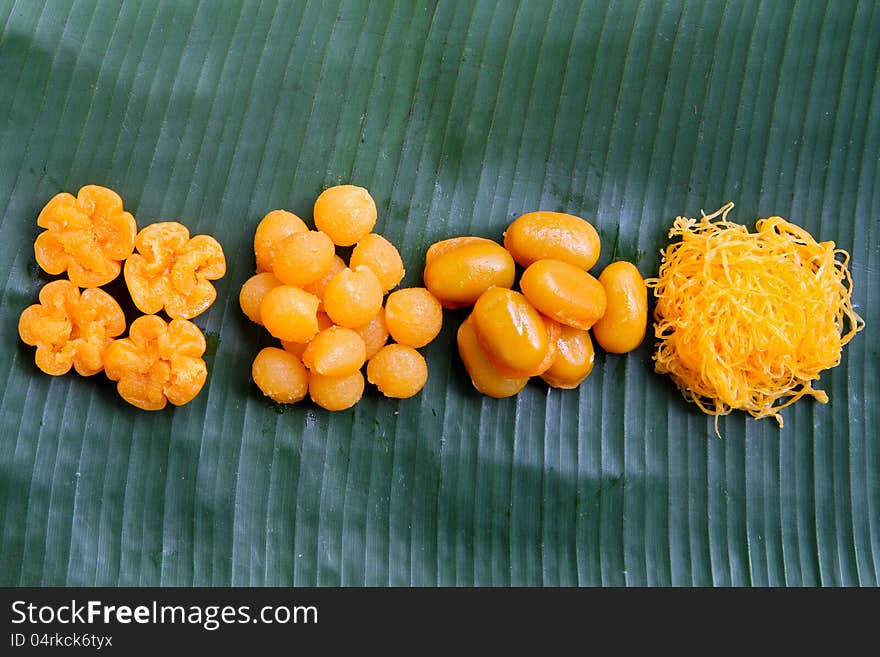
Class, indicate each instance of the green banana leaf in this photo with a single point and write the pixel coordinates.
(458, 116)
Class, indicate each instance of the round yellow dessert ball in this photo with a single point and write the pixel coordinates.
(346, 213)
(380, 255)
(414, 316)
(511, 331)
(252, 293)
(564, 292)
(280, 375)
(398, 371)
(271, 231)
(353, 297)
(335, 351)
(289, 313)
(336, 393)
(303, 258)
(574, 359)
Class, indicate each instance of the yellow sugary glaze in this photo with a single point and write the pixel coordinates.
(511, 330)
(380, 255)
(252, 293)
(346, 213)
(538, 235)
(157, 363)
(336, 393)
(460, 269)
(574, 359)
(564, 292)
(553, 329)
(87, 236)
(398, 371)
(413, 316)
(353, 297)
(303, 258)
(289, 313)
(71, 329)
(622, 328)
(481, 369)
(172, 271)
(335, 351)
(271, 231)
(280, 375)
(748, 320)
(450, 244)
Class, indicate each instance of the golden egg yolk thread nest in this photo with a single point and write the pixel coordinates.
(749, 320)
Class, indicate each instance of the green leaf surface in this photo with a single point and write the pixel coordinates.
(457, 116)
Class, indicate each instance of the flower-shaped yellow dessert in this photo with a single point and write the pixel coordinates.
(158, 363)
(174, 272)
(88, 236)
(71, 329)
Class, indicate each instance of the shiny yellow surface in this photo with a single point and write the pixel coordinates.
(622, 328)
(511, 330)
(564, 292)
(481, 369)
(556, 235)
(553, 329)
(442, 247)
(574, 359)
(459, 270)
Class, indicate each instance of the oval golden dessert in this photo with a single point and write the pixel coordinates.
(622, 327)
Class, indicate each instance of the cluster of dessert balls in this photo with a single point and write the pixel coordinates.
(331, 316)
